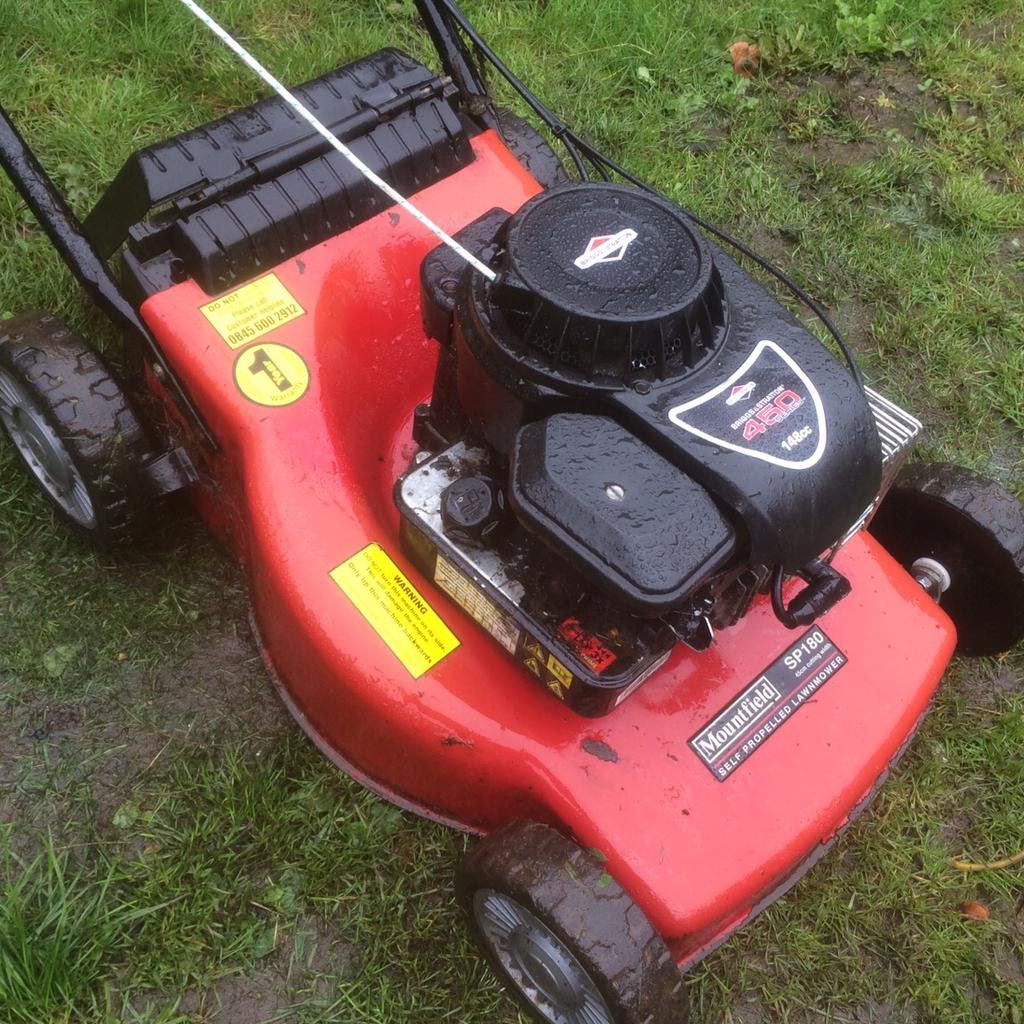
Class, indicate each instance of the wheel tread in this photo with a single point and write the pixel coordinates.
(572, 892)
(105, 438)
(940, 509)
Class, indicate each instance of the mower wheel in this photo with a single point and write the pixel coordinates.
(530, 148)
(563, 935)
(73, 429)
(975, 530)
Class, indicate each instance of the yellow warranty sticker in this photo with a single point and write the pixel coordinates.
(250, 312)
(270, 374)
(395, 609)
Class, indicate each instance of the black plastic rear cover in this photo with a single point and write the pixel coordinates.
(227, 201)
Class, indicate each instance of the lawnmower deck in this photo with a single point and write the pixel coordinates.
(441, 719)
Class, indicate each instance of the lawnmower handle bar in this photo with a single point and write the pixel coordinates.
(455, 56)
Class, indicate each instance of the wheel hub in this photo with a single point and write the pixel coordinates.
(43, 451)
(542, 968)
(933, 576)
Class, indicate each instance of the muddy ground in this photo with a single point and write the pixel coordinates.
(68, 768)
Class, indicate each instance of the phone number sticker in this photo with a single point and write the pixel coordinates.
(250, 312)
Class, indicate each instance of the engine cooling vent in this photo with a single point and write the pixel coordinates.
(897, 432)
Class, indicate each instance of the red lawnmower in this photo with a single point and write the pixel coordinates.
(558, 528)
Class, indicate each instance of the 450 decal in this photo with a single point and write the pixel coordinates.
(779, 391)
(772, 414)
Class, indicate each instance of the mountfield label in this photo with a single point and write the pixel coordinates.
(740, 728)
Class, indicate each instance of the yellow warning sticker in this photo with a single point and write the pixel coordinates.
(556, 688)
(270, 374)
(395, 609)
(244, 315)
(559, 671)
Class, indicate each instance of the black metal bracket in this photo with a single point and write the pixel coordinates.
(169, 473)
(457, 59)
(68, 238)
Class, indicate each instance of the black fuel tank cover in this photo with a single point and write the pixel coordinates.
(626, 518)
(610, 282)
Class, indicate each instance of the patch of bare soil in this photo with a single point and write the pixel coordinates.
(1007, 964)
(855, 318)
(774, 243)
(1011, 259)
(987, 685)
(882, 99)
(67, 765)
(872, 1012)
(306, 967)
(997, 31)
(885, 1013)
(888, 96)
(842, 152)
(750, 1011)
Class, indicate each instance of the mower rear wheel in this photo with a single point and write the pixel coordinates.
(530, 148)
(975, 530)
(563, 935)
(73, 429)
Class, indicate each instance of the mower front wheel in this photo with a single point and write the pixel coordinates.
(73, 429)
(974, 530)
(567, 940)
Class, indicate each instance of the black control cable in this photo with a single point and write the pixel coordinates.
(575, 145)
(557, 127)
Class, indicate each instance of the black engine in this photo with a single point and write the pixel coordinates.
(628, 439)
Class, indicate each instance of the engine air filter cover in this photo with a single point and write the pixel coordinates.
(610, 283)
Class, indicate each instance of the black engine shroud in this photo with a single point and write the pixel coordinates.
(653, 422)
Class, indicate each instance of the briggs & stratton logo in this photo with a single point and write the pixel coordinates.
(606, 248)
(740, 392)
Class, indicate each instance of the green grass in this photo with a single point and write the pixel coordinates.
(61, 925)
(170, 857)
